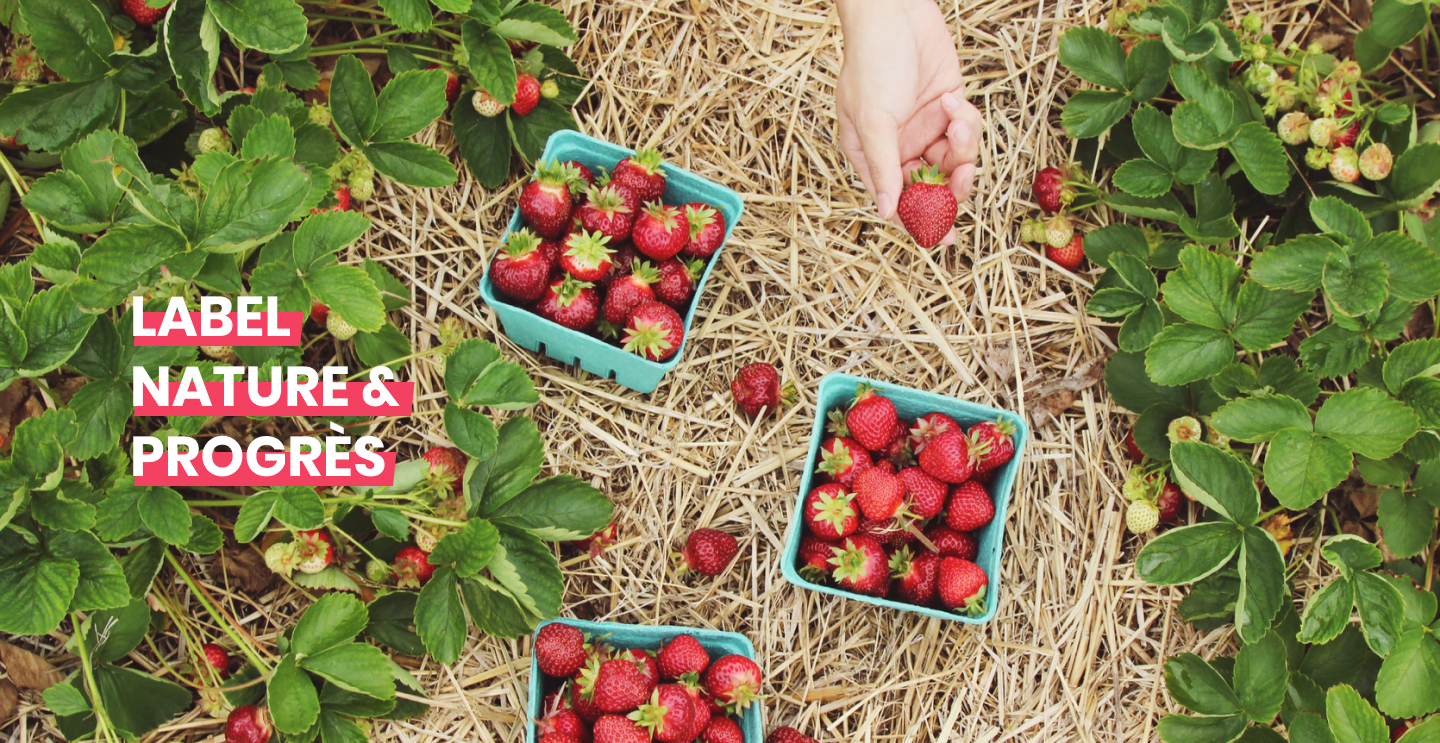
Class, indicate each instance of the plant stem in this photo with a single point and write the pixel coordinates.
(355, 43)
(1261, 518)
(18, 184)
(220, 618)
(102, 720)
(415, 355)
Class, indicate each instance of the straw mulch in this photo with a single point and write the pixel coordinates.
(742, 92)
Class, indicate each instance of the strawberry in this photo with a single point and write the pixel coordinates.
(604, 211)
(815, 554)
(213, 139)
(642, 174)
(1169, 502)
(947, 458)
(619, 729)
(246, 724)
(560, 649)
(669, 715)
(841, 459)
(627, 193)
(315, 549)
(1132, 450)
(734, 681)
(1402, 728)
(447, 467)
(624, 260)
(722, 730)
(645, 661)
(757, 389)
(342, 202)
(1322, 132)
(962, 586)
(521, 269)
(830, 512)
(659, 231)
(916, 576)
(926, 494)
(1069, 257)
(596, 543)
(1184, 428)
(890, 533)
(969, 508)
(527, 94)
(700, 702)
(627, 292)
(677, 282)
(550, 89)
(1141, 516)
(621, 686)
(991, 443)
(1047, 187)
(545, 201)
(927, 207)
(319, 312)
(561, 720)
(586, 256)
(282, 557)
(681, 656)
(452, 83)
(1345, 165)
(861, 565)
(145, 16)
(1375, 161)
(871, 418)
(1294, 127)
(559, 738)
(412, 567)
(654, 331)
(486, 105)
(788, 735)
(582, 692)
(879, 494)
(570, 303)
(708, 552)
(707, 230)
(218, 658)
(1032, 230)
(1347, 138)
(581, 179)
(929, 426)
(951, 543)
(221, 353)
(898, 450)
(552, 250)
(1058, 231)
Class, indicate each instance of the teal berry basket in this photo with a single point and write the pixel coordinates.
(647, 637)
(839, 389)
(567, 346)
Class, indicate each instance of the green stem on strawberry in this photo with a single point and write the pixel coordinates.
(416, 355)
(220, 618)
(103, 730)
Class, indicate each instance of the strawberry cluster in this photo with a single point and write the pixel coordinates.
(1151, 499)
(607, 256)
(1055, 194)
(899, 502)
(609, 694)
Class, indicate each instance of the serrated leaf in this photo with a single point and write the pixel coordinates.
(353, 103)
(408, 103)
(490, 61)
(349, 292)
(536, 22)
(560, 508)
(1095, 56)
(353, 666)
(519, 456)
(1090, 113)
(53, 116)
(468, 550)
(1339, 219)
(475, 374)
(410, 163)
(484, 143)
(299, 507)
(1355, 284)
(1333, 351)
(1262, 583)
(440, 617)
(1327, 612)
(1259, 418)
(1409, 681)
(1261, 155)
(335, 619)
(1196, 685)
(1406, 521)
(1416, 171)
(1298, 265)
(1141, 177)
(72, 37)
(1352, 719)
(293, 702)
(270, 26)
(84, 196)
(1367, 421)
(1260, 677)
(35, 590)
(528, 571)
(1188, 553)
(1382, 611)
(1301, 467)
(1414, 269)
(1186, 352)
(410, 15)
(1265, 317)
(1411, 359)
(494, 611)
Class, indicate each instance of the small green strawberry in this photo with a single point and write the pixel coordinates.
(1032, 230)
(1184, 428)
(1375, 161)
(319, 114)
(1058, 231)
(1294, 127)
(1141, 516)
(338, 327)
(213, 139)
(377, 571)
(362, 189)
(549, 89)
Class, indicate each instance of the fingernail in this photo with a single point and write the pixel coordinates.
(884, 202)
(959, 134)
(949, 101)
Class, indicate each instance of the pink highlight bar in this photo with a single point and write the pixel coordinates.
(157, 472)
(257, 327)
(243, 404)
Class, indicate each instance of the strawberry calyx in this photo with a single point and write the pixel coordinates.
(833, 463)
(605, 198)
(520, 243)
(901, 563)
(837, 426)
(974, 605)
(700, 218)
(651, 338)
(849, 562)
(863, 392)
(589, 248)
(665, 215)
(929, 174)
(555, 173)
(647, 160)
(643, 272)
(835, 510)
(569, 290)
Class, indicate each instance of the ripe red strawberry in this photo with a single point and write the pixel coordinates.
(1170, 502)
(573, 304)
(642, 174)
(247, 724)
(645, 661)
(659, 232)
(969, 508)
(680, 656)
(929, 426)
(521, 269)
(734, 681)
(545, 201)
(562, 720)
(628, 292)
(871, 419)
(787, 735)
(581, 177)
(315, 549)
(879, 494)
(927, 495)
(218, 658)
(1132, 449)
(722, 729)
(559, 738)
(145, 16)
(708, 552)
(962, 586)
(757, 388)
(951, 543)
(830, 512)
(527, 94)
(1047, 188)
(861, 565)
(342, 202)
(412, 567)
(582, 692)
(707, 230)
(916, 576)
(621, 686)
(586, 256)
(319, 312)
(677, 282)
(815, 554)
(669, 715)
(1347, 138)
(552, 249)
(991, 443)
(619, 729)
(841, 459)
(1069, 257)
(604, 211)
(927, 207)
(654, 331)
(560, 649)
(447, 467)
(452, 83)
(947, 458)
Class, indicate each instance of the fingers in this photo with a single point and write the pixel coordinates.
(964, 130)
(879, 138)
(962, 181)
(850, 145)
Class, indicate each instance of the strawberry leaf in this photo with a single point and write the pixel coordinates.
(51, 117)
(1414, 269)
(440, 616)
(1340, 220)
(1412, 359)
(410, 163)
(414, 16)
(134, 701)
(1416, 172)
(537, 22)
(468, 550)
(271, 137)
(476, 375)
(1298, 265)
(1261, 155)
(490, 61)
(353, 104)
(383, 348)
(1188, 553)
(494, 611)
(1090, 113)
(391, 617)
(484, 143)
(84, 196)
(1408, 684)
(1262, 583)
(36, 586)
(474, 433)
(72, 37)
(1260, 418)
(1355, 284)
(1204, 289)
(408, 104)
(561, 508)
(1095, 56)
(349, 292)
(528, 571)
(1141, 327)
(519, 455)
(1198, 686)
(1367, 421)
(1265, 317)
(293, 702)
(1144, 178)
(271, 26)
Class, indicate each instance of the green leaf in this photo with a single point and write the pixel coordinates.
(51, 508)
(1406, 521)
(269, 26)
(65, 700)
(35, 590)
(136, 702)
(101, 410)
(1265, 317)
(72, 37)
(1259, 418)
(299, 507)
(1327, 612)
(484, 143)
(272, 137)
(490, 61)
(1156, 136)
(1187, 554)
(410, 15)
(1141, 177)
(293, 702)
(123, 259)
(1351, 554)
(475, 374)
(1262, 584)
(84, 197)
(1095, 56)
(1216, 478)
(532, 131)
(113, 633)
(253, 208)
(1409, 680)
(205, 536)
(1165, 208)
(1334, 351)
(353, 666)
(1367, 421)
(1261, 155)
(1414, 269)
(410, 102)
(440, 617)
(528, 571)
(410, 163)
(333, 620)
(1214, 220)
(349, 292)
(539, 23)
(494, 611)
(1298, 265)
(192, 44)
(1356, 284)
(1196, 685)
(1339, 219)
(353, 104)
(1352, 719)
(561, 508)
(1260, 677)
(1412, 359)
(1114, 302)
(1141, 327)
(1207, 124)
(1132, 389)
(1416, 171)
(1186, 352)
(322, 235)
(1103, 243)
(101, 584)
(469, 549)
(1147, 70)
(54, 327)
(1301, 467)
(394, 292)
(1381, 611)
(164, 512)
(1422, 394)
(142, 565)
(474, 433)
(1183, 729)
(254, 515)
(1090, 113)
(385, 348)
(519, 455)
(51, 117)
(391, 617)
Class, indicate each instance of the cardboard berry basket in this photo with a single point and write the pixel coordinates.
(838, 390)
(592, 354)
(647, 637)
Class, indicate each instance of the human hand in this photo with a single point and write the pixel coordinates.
(900, 99)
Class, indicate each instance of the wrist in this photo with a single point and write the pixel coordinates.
(857, 11)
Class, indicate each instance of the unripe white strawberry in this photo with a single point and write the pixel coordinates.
(1058, 231)
(314, 549)
(1317, 157)
(549, 88)
(319, 114)
(1322, 132)
(213, 139)
(486, 105)
(219, 353)
(1294, 127)
(1184, 428)
(362, 189)
(282, 558)
(1141, 516)
(425, 540)
(1347, 72)
(1345, 165)
(1375, 161)
(1032, 230)
(338, 327)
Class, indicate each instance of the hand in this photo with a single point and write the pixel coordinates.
(900, 99)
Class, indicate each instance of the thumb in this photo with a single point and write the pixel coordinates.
(880, 139)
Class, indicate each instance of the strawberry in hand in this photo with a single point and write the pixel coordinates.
(928, 207)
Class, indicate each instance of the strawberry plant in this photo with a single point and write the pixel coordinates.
(1271, 274)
